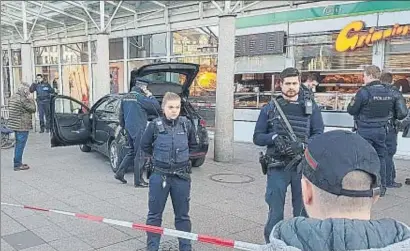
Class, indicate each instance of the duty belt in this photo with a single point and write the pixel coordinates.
(180, 172)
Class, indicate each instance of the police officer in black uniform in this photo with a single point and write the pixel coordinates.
(134, 111)
(169, 140)
(392, 130)
(305, 119)
(44, 91)
(373, 107)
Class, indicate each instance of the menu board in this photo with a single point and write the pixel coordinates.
(260, 44)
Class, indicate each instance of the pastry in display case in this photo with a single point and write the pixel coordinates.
(326, 101)
(246, 101)
(346, 83)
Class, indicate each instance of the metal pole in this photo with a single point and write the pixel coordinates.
(102, 18)
(35, 21)
(112, 17)
(23, 10)
(125, 73)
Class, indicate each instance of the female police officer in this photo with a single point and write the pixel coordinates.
(169, 140)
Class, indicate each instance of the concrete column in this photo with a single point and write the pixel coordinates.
(26, 64)
(223, 138)
(102, 72)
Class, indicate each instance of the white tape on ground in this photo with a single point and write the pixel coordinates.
(180, 234)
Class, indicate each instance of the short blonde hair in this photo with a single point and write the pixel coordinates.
(169, 96)
(372, 71)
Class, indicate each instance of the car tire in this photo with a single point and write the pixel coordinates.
(198, 162)
(85, 148)
(113, 155)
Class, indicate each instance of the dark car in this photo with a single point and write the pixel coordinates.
(97, 128)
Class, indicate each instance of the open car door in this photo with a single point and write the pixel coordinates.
(70, 122)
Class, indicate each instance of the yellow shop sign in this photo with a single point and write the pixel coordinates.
(353, 36)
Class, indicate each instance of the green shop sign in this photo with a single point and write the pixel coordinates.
(316, 13)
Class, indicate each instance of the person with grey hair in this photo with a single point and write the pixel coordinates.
(340, 183)
(21, 108)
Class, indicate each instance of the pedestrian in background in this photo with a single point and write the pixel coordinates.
(43, 91)
(21, 108)
(169, 140)
(392, 131)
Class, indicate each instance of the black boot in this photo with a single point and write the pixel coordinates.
(120, 178)
(42, 130)
(395, 185)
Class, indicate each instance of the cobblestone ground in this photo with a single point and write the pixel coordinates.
(70, 180)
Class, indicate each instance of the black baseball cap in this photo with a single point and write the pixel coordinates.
(330, 156)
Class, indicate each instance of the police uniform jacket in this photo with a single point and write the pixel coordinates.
(304, 126)
(171, 147)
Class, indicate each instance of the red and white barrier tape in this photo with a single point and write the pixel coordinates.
(152, 229)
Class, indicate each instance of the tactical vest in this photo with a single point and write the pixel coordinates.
(295, 113)
(379, 106)
(171, 145)
(43, 92)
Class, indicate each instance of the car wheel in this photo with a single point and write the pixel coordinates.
(85, 148)
(198, 162)
(113, 150)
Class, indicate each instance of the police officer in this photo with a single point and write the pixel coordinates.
(372, 107)
(43, 92)
(305, 118)
(169, 140)
(392, 129)
(134, 111)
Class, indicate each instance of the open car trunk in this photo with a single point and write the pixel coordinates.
(166, 77)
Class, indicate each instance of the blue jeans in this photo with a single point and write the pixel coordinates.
(180, 190)
(377, 138)
(44, 114)
(278, 181)
(21, 140)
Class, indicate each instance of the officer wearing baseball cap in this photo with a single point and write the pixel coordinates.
(340, 183)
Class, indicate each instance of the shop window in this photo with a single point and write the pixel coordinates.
(5, 57)
(397, 57)
(93, 51)
(16, 57)
(116, 77)
(17, 77)
(6, 82)
(205, 82)
(45, 55)
(116, 49)
(145, 46)
(317, 53)
(75, 82)
(50, 74)
(195, 41)
(75, 53)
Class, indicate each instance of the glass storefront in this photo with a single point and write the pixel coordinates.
(46, 61)
(147, 46)
(75, 71)
(6, 75)
(116, 77)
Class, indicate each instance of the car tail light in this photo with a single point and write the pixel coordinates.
(202, 123)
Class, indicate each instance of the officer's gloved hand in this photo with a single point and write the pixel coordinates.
(295, 148)
(280, 144)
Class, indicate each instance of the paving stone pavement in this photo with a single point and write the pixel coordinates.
(66, 179)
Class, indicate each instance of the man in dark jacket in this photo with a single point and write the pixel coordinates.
(43, 91)
(305, 119)
(340, 183)
(373, 107)
(392, 131)
(134, 111)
